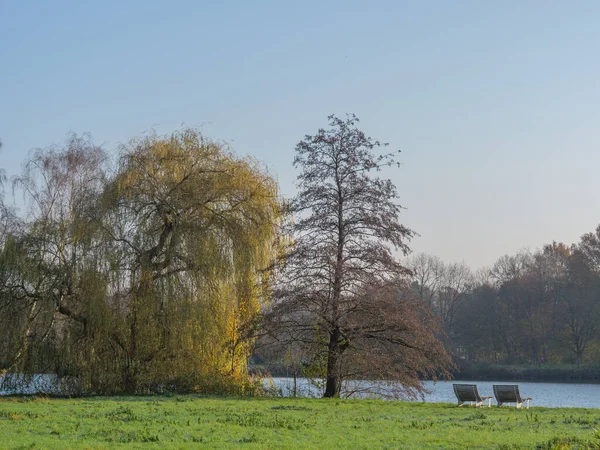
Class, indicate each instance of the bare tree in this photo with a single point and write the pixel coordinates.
(343, 293)
(427, 274)
(443, 287)
(510, 268)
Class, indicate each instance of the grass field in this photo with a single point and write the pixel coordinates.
(213, 422)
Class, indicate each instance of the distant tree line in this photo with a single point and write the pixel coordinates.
(529, 308)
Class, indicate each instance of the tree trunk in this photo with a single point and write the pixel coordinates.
(333, 384)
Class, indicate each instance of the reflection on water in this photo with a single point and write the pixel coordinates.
(544, 394)
(27, 385)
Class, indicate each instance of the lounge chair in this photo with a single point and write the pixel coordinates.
(509, 393)
(469, 393)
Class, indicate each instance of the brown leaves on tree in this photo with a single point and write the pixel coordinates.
(342, 293)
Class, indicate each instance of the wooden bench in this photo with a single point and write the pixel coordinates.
(509, 393)
(469, 393)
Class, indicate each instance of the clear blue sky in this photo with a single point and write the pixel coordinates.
(495, 105)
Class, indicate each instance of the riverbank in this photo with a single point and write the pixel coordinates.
(553, 373)
(541, 373)
(191, 421)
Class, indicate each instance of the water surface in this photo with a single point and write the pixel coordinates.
(553, 395)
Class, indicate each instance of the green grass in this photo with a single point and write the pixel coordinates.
(212, 422)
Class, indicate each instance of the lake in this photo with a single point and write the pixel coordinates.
(553, 395)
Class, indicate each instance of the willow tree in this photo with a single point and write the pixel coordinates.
(143, 276)
(43, 262)
(10, 340)
(344, 295)
(193, 230)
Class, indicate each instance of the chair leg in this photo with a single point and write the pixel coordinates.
(499, 404)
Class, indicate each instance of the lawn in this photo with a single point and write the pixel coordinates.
(213, 422)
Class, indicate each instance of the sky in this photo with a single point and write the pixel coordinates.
(494, 105)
